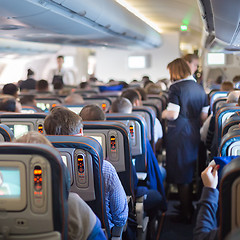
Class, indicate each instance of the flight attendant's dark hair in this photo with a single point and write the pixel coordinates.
(178, 69)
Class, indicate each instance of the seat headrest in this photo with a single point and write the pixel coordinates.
(6, 133)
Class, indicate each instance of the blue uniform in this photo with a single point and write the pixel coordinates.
(183, 134)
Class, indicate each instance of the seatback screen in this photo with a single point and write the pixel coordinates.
(19, 129)
(10, 185)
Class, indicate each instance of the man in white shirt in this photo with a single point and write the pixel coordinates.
(61, 74)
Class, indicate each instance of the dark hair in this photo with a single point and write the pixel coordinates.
(8, 104)
(60, 56)
(121, 105)
(143, 93)
(84, 85)
(131, 95)
(178, 69)
(62, 121)
(58, 85)
(27, 99)
(227, 86)
(42, 85)
(236, 79)
(10, 89)
(30, 72)
(92, 112)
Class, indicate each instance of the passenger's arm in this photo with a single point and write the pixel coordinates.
(206, 224)
(117, 198)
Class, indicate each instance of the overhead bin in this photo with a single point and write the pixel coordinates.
(76, 22)
(222, 21)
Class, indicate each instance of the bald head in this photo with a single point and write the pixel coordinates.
(121, 105)
(73, 99)
(92, 113)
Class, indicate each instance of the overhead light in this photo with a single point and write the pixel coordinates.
(139, 15)
(184, 28)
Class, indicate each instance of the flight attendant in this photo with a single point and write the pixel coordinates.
(187, 108)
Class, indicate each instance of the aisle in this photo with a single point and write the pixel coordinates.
(174, 231)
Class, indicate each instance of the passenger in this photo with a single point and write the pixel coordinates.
(30, 83)
(82, 222)
(73, 99)
(42, 86)
(143, 93)
(92, 112)
(29, 100)
(10, 89)
(85, 85)
(61, 75)
(226, 86)
(135, 98)
(10, 105)
(154, 200)
(62, 121)
(208, 129)
(153, 88)
(192, 61)
(206, 224)
(187, 108)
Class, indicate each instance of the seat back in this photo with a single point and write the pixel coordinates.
(216, 95)
(21, 123)
(75, 108)
(114, 138)
(34, 192)
(218, 103)
(221, 116)
(230, 198)
(138, 135)
(103, 102)
(230, 143)
(149, 117)
(84, 157)
(46, 103)
(6, 135)
(233, 120)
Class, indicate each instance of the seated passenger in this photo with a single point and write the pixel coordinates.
(154, 200)
(135, 98)
(29, 100)
(62, 121)
(206, 224)
(10, 105)
(82, 222)
(73, 99)
(29, 83)
(42, 86)
(10, 89)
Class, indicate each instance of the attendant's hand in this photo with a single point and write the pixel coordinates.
(210, 176)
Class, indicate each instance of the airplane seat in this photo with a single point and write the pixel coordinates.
(149, 117)
(157, 110)
(102, 101)
(138, 132)
(215, 95)
(84, 157)
(21, 123)
(34, 193)
(230, 143)
(221, 116)
(46, 103)
(6, 135)
(75, 108)
(229, 198)
(29, 109)
(233, 120)
(218, 104)
(118, 152)
(114, 139)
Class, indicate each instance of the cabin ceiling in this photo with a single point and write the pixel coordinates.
(169, 15)
(28, 20)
